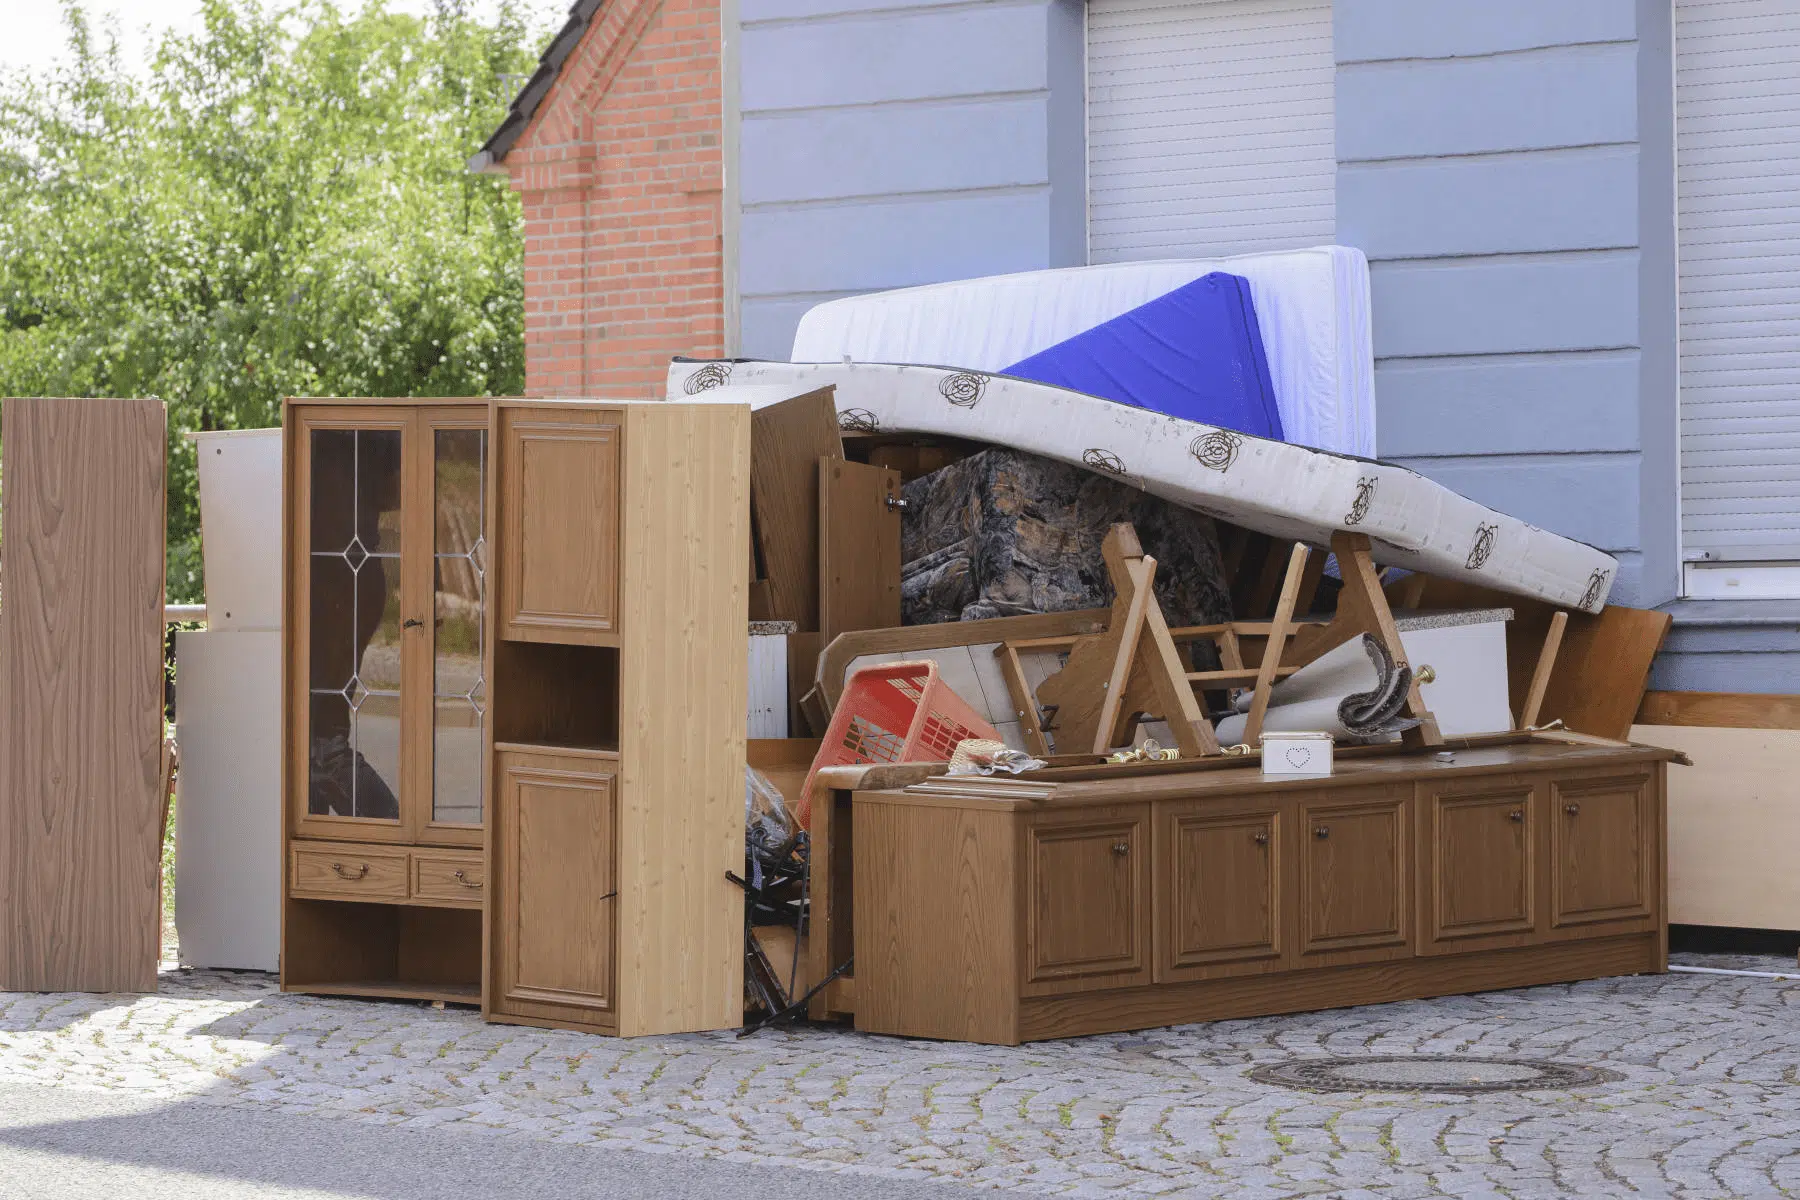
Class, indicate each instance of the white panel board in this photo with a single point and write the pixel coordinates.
(228, 799)
(240, 526)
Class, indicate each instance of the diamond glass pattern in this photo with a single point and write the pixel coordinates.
(354, 624)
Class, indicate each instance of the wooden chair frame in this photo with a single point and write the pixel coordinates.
(1133, 667)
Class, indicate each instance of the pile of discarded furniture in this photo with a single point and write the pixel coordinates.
(1482, 824)
(995, 702)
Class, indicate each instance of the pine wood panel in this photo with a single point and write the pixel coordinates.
(447, 878)
(1219, 897)
(559, 507)
(937, 937)
(859, 547)
(346, 872)
(683, 669)
(1354, 885)
(1602, 849)
(81, 780)
(1719, 710)
(553, 860)
(1478, 847)
(1087, 896)
(1732, 825)
(787, 442)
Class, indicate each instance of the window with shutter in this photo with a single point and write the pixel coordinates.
(1210, 127)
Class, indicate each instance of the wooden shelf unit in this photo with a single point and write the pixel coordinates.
(1006, 911)
(516, 707)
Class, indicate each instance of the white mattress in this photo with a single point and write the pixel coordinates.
(1272, 487)
(1312, 307)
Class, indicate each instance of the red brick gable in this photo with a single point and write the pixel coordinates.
(620, 170)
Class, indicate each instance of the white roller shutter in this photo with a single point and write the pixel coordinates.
(1737, 78)
(1209, 127)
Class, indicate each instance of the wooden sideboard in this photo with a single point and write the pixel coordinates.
(1003, 911)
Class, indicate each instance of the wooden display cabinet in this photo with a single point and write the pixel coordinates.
(529, 803)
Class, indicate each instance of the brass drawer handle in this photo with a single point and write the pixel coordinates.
(343, 874)
(1261, 837)
(1121, 848)
(1517, 814)
(1574, 810)
(464, 880)
(1321, 832)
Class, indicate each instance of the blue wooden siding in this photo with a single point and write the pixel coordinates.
(1493, 160)
(885, 145)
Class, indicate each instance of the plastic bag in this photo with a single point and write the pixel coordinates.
(770, 830)
(981, 756)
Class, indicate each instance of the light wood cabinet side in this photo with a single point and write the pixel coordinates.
(683, 665)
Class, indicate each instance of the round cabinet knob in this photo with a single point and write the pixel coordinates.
(1574, 810)
(1121, 848)
(1517, 814)
(1261, 837)
(1321, 831)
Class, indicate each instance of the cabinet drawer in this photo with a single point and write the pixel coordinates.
(323, 871)
(448, 879)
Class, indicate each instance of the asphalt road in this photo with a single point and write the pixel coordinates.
(73, 1144)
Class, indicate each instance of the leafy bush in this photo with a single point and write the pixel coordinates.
(281, 208)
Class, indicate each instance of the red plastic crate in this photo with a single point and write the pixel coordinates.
(894, 712)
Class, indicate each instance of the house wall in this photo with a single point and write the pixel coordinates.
(1508, 169)
(621, 173)
(883, 144)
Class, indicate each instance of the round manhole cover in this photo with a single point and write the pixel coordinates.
(1429, 1073)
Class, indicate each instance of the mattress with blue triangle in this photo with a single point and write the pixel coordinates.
(1194, 353)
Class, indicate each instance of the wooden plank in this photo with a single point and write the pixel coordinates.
(1024, 702)
(81, 673)
(859, 547)
(1168, 681)
(683, 673)
(1719, 710)
(1278, 634)
(1733, 825)
(1540, 676)
(1601, 669)
(786, 442)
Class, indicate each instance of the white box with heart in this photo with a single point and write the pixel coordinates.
(1296, 753)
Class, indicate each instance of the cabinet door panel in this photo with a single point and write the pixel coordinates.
(1087, 902)
(1602, 852)
(559, 504)
(350, 770)
(1354, 881)
(555, 905)
(1480, 874)
(459, 553)
(1220, 900)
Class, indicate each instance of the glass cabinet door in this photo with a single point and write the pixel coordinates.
(459, 598)
(391, 556)
(354, 520)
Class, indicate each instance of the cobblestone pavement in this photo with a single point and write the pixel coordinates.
(1708, 1103)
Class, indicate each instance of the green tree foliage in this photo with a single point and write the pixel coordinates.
(281, 207)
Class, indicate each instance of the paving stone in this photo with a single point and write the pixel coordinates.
(1707, 1107)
